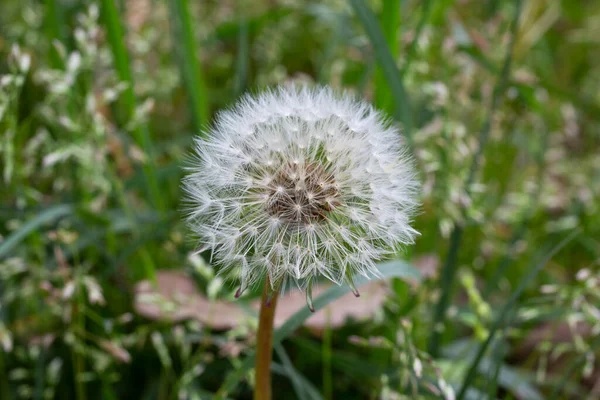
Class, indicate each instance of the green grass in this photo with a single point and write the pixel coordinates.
(141, 133)
(502, 315)
(390, 25)
(498, 101)
(187, 50)
(450, 266)
(402, 109)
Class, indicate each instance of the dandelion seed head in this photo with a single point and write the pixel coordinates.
(296, 182)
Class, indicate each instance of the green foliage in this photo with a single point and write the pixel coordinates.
(499, 100)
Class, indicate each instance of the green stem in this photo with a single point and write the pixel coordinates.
(128, 102)
(54, 30)
(449, 271)
(390, 23)
(264, 343)
(186, 49)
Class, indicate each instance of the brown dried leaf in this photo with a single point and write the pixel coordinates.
(335, 315)
(176, 298)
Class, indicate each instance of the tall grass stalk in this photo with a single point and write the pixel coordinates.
(54, 30)
(141, 133)
(243, 55)
(390, 24)
(448, 273)
(303, 389)
(187, 49)
(402, 109)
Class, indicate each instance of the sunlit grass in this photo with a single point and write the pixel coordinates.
(99, 102)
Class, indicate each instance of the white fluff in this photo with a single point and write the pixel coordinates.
(297, 183)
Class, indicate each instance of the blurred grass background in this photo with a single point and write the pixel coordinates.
(499, 101)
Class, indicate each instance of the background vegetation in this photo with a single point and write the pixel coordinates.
(99, 102)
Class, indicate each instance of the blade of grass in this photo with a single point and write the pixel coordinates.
(241, 72)
(390, 23)
(55, 25)
(351, 365)
(392, 269)
(402, 110)
(114, 30)
(186, 49)
(290, 371)
(499, 321)
(309, 389)
(47, 216)
(449, 269)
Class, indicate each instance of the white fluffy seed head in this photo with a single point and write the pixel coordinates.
(297, 183)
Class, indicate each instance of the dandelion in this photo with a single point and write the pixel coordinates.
(299, 183)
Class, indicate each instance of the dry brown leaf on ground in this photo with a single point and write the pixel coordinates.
(176, 298)
(338, 312)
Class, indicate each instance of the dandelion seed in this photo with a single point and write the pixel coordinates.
(297, 183)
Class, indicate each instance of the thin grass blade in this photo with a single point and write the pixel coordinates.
(241, 72)
(402, 110)
(187, 48)
(390, 24)
(47, 216)
(450, 266)
(115, 33)
(304, 390)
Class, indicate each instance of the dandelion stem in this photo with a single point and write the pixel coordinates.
(264, 343)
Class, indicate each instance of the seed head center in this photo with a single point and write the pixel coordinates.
(302, 193)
